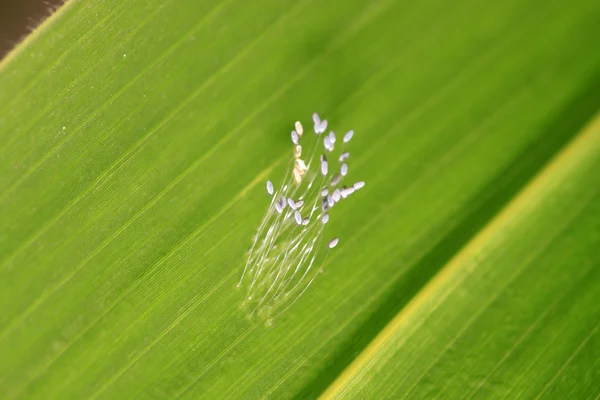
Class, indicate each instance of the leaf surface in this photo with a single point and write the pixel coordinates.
(136, 137)
(515, 313)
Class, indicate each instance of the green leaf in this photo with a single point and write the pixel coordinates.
(515, 314)
(135, 140)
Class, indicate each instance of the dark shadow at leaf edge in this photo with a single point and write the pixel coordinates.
(483, 207)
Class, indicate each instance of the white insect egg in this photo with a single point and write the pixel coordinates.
(324, 192)
(324, 167)
(301, 164)
(299, 128)
(325, 218)
(331, 137)
(297, 175)
(316, 119)
(347, 192)
(344, 169)
(336, 195)
(333, 243)
(298, 217)
(330, 201)
(320, 127)
(323, 126)
(291, 203)
(270, 188)
(278, 207)
(336, 179)
(295, 137)
(283, 202)
(344, 156)
(358, 185)
(305, 221)
(326, 143)
(299, 204)
(348, 136)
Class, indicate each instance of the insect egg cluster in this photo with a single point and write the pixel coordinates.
(289, 248)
